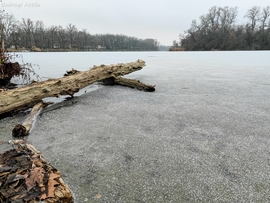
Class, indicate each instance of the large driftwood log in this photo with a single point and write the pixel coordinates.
(28, 96)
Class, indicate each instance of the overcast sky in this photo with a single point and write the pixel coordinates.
(163, 20)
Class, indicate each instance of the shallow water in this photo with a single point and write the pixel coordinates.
(202, 136)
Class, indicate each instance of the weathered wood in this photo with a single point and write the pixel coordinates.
(25, 176)
(23, 129)
(129, 83)
(29, 95)
(133, 84)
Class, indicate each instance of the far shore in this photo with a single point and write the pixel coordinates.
(70, 50)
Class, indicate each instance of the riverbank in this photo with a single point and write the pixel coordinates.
(73, 50)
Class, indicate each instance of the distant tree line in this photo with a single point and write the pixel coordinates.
(218, 30)
(35, 35)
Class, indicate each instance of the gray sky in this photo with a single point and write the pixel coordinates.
(163, 20)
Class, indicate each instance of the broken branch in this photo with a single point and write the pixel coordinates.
(23, 129)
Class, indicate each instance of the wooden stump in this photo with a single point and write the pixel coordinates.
(7, 71)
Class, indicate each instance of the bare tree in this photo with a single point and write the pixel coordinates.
(27, 33)
(72, 33)
(2, 46)
(228, 17)
(253, 15)
(265, 16)
(61, 37)
(27, 27)
(9, 25)
(51, 36)
(39, 34)
(82, 39)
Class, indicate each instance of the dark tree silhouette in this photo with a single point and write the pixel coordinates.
(217, 30)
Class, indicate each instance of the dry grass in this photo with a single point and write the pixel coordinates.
(176, 49)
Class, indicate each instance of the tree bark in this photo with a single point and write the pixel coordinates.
(27, 177)
(28, 96)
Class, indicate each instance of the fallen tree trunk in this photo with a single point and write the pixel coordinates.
(23, 129)
(29, 95)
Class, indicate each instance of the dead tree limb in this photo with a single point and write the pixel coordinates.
(29, 95)
(23, 129)
(129, 83)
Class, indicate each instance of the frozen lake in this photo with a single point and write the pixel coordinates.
(202, 136)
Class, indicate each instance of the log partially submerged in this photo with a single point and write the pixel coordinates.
(25, 176)
(23, 129)
(28, 96)
(129, 83)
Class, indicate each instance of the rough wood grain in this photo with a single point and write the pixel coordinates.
(129, 83)
(23, 129)
(134, 84)
(25, 176)
(29, 95)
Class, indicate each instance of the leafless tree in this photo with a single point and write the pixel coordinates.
(218, 30)
(9, 24)
(72, 32)
(82, 39)
(39, 34)
(265, 17)
(253, 15)
(30, 34)
(61, 38)
(27, 30)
